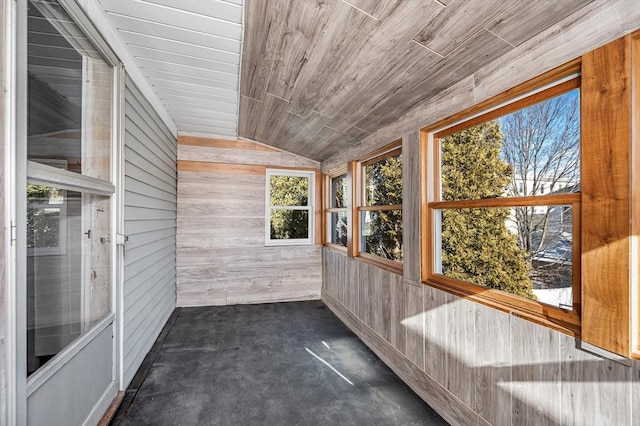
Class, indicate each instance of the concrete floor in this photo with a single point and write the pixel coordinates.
(272, 364)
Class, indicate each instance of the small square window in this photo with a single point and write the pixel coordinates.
(289, 213)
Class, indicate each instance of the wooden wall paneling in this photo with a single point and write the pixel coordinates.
(304, 25)
(445, 403)
(411, 206)
(436, 328)
(225, 143)
(375, 55)
(414, 323)
(365, 299)
(453, 26)
(460, 348)
(517, 24)
(493, 365)
(326, 275)
(479, 50)
(605, 150)
(594, 390)
(590, 27)
(370, 7)
(384, 282)
(535, 374)
(237, 156)
(353, 285)
(635, 389)
(635, 192)
(398, 314)
(260, 44)
(274, 111)
(248, 116)
(345, 35)
(444, 104)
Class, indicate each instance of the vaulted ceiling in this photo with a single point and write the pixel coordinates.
(315, 76)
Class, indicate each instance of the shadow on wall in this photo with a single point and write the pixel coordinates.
(509, 369)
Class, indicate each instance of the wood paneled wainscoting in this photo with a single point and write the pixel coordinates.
(222, 257)
(474, 364)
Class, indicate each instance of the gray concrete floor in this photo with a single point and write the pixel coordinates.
(271, 364)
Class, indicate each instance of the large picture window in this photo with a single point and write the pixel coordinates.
(290, 210)
(379, 207)
(504, 215)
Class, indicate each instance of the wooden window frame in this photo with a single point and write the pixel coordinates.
(609, 228)
(327, 209)
(356, 169)
(555, 83)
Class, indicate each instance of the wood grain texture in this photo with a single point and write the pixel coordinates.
(224, 143)
(512, 26)
(457, 22)
(411, 206)
(436, 324)
(460, 349)
(594, 390)
(535, 374)
(221, 256)
(302, 29)
(359, 65)
(590, 27)
(606, 196)
(247, 118)
(374, 8)
(493, 365)
(413, 323)
(447, 405)
(260, 44)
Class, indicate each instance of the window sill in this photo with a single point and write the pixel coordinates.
(336, 248)
(548, 316)
(388, 265)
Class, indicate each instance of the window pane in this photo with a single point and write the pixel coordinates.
(381, 233)
(289, 190)
(339, 191)
(69, 94)
(383, 182)
(489, 247)
(289, 224)
(68, 268)
(532, 151)
(338, 228)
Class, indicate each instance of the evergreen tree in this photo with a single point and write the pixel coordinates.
(289, 191)
(476, 244)
(384, 187)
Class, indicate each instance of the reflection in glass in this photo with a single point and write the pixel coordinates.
(339, 191)
(339, 228)
(481, 246)
(289, 224)
(68, 268)
(381, 233)
(383, 182)
(69, 94)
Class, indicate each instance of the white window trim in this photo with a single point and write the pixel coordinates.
(268, 207)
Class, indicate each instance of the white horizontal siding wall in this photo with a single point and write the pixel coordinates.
(150, 222)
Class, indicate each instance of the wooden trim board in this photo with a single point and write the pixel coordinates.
(224, 143)
(226, 168)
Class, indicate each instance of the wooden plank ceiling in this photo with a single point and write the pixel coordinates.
(189, 51)
(320, 75)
